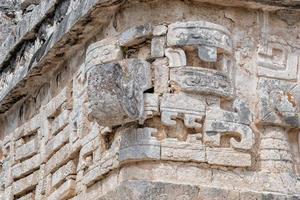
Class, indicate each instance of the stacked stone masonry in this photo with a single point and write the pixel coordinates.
(173, 100)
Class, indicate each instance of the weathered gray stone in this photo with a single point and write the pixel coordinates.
(158, 47)
(172, 149)
(119, 88)
(27, 150)
(202, 81)
(65, 191)
(139, 144)
(176, 56)
(62, 173)
(227, 157)
(279, 103)
(26, 167)
(135, 35)
(27, 183)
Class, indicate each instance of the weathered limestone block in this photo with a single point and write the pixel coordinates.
(161, 75)
(61, 157)
(115, 91)
(135, 35)
(190, 108)
(24, 184)
(279, 103)
(103, 52)
(172, 149)
(176, 56)
(158, 47)
(160, 30)
(208, 36)
(227, 157)
(219, 122)
(27, 150)
(57, 141)
(62, 173)
(202, 81)
(139, 144)
(60, 122)
(151, 106)
(278, 60)
(26, 167)
(108, 162)
(65, 191)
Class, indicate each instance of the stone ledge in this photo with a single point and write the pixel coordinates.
(144, 190)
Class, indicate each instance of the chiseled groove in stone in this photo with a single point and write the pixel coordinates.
(25, 184)
(65, 191)
(15, 92)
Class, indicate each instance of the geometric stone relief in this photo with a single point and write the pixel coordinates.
(120, 90)
(278, 60)
(279, 103)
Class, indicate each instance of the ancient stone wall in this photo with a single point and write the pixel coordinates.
(185, 100)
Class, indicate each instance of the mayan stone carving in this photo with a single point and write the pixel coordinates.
(149, 100)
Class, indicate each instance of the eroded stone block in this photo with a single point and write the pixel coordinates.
(172, 149)
(103, 52)
(279, 103)
(227, 157)
(115, 91)
(65, 191)
(202, 81)
(139, 144)
(26, 183)
(176, 56)
(158, 47)
(62, 173)
(161, 75)
(26, 167)
(57, 141)
(27, 150)
(135, 35)
(199, 33)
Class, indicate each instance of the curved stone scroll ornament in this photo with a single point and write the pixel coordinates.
(220, 123)
(115, 91)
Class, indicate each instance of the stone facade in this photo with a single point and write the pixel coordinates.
(117, 100)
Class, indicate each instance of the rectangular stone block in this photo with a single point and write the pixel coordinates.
(59, 176)
(26, 167)
(59, 158)
(60, 122)
(27, 150)
(57, 141)
(161, 75)
(65, 191)
(135, 35)
(139, 145)
(202, 81)
(199, 33)
(172, 149)
(227, 157)
(107, 163)
(27, 183)
(158, 47)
